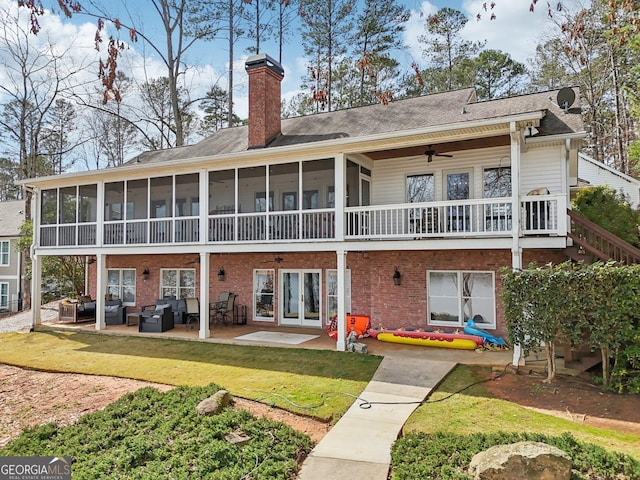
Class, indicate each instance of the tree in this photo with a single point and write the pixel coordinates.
(8, 174)
(496, 74)
(36, 75)
(380, 26)
(157, 98)
(326, 26)
(57, 141)
(609, 209)
(445, 51)
(216, 111)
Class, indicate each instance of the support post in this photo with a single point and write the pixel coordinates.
(205, 261)
(342, 314)
(101, 290)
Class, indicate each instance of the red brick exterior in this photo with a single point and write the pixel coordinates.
(372, 290)
(264, 105)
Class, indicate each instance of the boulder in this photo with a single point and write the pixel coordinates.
(214, 404)
(522, 460)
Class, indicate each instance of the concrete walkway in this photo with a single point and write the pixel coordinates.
(359, 445)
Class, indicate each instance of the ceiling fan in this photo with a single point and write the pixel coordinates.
(430, 153)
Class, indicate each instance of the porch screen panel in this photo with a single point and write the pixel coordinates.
(88, 203)
(114, 201)
(137, 199)
(318, 178)
(222, 192)
(187, 198)
(251, 181)
(49, 209)
(68, 205)
(161, 197)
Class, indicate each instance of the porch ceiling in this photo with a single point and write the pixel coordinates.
(455, 146)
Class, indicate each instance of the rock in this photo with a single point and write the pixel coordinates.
(522, 460)
(214, 404)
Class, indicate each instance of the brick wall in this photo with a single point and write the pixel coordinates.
(372, 290)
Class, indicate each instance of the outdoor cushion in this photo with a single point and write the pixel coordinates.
(111, 308)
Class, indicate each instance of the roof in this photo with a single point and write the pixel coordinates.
(440, 109)
(609, 169)
(11, 218)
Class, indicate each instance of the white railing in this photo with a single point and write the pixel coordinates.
(487, 217)
(462, 218)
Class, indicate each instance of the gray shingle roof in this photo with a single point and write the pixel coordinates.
(445, 108)
(11, 218)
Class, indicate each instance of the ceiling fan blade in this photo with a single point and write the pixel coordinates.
(448, 155)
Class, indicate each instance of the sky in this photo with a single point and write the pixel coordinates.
(515, 30)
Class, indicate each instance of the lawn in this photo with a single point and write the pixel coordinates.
(318, 383)
(311, 382)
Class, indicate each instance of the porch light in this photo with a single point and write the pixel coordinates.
(221, 274)
(396, 276)
(145, 273)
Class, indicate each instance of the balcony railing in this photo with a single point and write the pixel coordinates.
(461, 218)
(489, 217)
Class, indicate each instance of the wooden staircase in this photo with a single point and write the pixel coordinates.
(591, 243)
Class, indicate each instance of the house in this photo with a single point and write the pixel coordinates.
(404, 212)
(591, 172)
(12, 289)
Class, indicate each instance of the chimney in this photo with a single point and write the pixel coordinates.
(265, 76)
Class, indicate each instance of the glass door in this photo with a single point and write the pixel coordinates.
(458, 187)
(301, 298)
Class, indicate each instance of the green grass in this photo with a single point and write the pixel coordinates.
(476, 411)
(312, 382)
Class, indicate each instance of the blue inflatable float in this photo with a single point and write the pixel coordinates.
(471, 329)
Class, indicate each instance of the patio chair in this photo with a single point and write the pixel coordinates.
(160, 319)
(192, 312)
(224, 309)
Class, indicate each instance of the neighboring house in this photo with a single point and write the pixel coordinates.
(11, 260)
(591, 172)
(313, 216)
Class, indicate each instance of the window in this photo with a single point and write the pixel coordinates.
(420, 188)
(4, 295)
(263, 294)
(454, 297)
(177, 283)
(121, 284)
(497, 182)
(4, 253)
(332, 294)
(290, 201)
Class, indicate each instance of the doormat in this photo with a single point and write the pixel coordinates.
(277, 337)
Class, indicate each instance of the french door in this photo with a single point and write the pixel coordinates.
(300, 298)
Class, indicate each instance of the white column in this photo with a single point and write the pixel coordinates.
(204, 207)
(342, 313)
(101, 203)
(516, 250)
(205, 262)
(101, 289)
(36, 289)
(340, 191)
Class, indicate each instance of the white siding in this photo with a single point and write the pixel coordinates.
(541, 167)
(598, 174)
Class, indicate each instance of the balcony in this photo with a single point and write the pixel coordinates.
(477, 218)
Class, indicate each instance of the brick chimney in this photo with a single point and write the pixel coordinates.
(265, 76)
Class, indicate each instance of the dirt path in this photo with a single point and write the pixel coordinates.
(29, 398)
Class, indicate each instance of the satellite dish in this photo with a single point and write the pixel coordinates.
(566, 97)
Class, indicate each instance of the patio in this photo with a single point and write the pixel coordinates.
(320, 341)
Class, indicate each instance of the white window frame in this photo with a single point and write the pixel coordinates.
(120, 285)
(4, 295)
(5, 253)
(179, 291)
(347, 301)
(461, 322)
(257, 293)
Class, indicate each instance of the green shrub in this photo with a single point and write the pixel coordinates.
(153, 435)
(446, 456)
